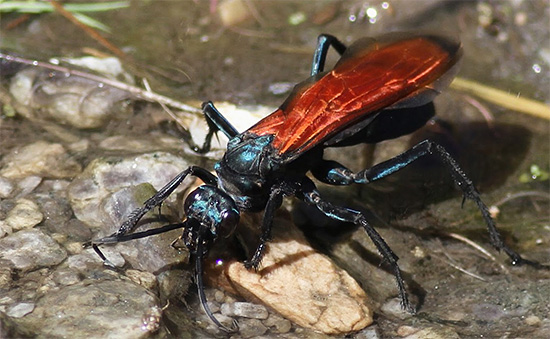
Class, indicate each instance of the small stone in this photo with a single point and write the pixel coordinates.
(244, 309)
(213, 306)
(20, 310)
(75, 229)
(109, 309)
(6, 187)
(74, 247)
(30, 249)
(249, 328)
(42, 159)
(532, 320)
(6, 300)
(280, 324)
(5, 229)
(28, 184)
(174, 284)
(109, 189)
(25, 214)
(151, 320)
(74, 101)
(303, 285)
(59, 237)
(211, 327)
(145, 279)
(432, 333)
(405, 330)
(393, 308)
(368, 333)
(66, 277)
(88, 257)
(5, 275)
(219, 296)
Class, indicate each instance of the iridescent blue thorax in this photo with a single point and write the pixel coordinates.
(244, 171)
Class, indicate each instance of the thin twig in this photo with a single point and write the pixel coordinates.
(477, 247)
(455, 266)
(502, 98)
(136, 91)
(164, 106)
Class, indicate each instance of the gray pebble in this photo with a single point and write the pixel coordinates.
(30, 249)
(6, 187)
(279, 324)
(249, 328)
(104, 309)
(20, 310)
(25, 214)
(245, 310)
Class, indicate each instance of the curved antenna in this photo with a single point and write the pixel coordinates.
(200, 287)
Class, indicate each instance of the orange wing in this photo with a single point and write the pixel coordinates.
(369, 77)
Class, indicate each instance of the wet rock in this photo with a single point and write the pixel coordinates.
(88, 193)
(69, 100)
(5, 229)
(409, 332)
(5, 275)
(123, 143)
(251, 328)
(41, 158)
(66, 277)
(244, 309)
(211, 327)
(57, 211)
(25, 214)
(532, 320)
(151, 319)
(30, 249)
(542, 331)
(145, 279)
(393, 308)
(112, 309)
(6, 187)
(28, 184)
(73, 247)
(368, 333)
(174, 284)
(20, 310)
(75, 229)
(489, 312)
(109, 189)
(303, 285)
(10, 329)
(277, 323)
(88, 258)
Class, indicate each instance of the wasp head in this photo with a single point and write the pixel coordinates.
(211, 213)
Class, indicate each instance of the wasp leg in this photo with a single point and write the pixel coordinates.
(324, 41)
(310, 195)
(133, 218)
(333, 173)
(339, 175)
(274, 202)
(114, 238)
(216, 122)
